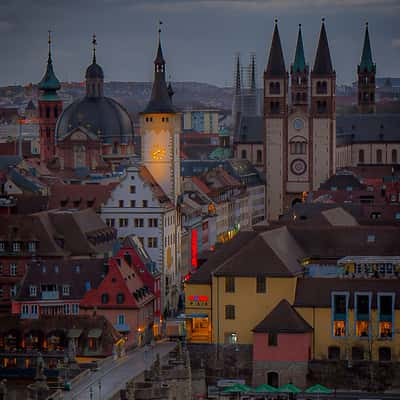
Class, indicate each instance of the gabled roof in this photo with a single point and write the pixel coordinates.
(323, 62)
(157, 190)
(276, 63)
(24, 183)
(283, 319)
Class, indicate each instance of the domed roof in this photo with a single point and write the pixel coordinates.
(102, 116)
(94, 71)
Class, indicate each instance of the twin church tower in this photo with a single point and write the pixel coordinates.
(300, 124)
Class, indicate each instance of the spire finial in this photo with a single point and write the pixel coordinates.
(159, 30)
(323, 20)
(276, 21)
(299, 26)
(94, 43)
(366, 24)
(49, 43)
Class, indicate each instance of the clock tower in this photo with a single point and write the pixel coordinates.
(160, 126)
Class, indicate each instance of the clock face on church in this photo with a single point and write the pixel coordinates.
(298, 166)
(298, 124)
(157, 152)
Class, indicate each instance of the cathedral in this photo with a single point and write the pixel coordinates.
(300, 131)
(93, 132)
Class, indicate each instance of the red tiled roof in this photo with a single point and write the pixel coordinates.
(159, 193)
(80, 196)
(200, 184)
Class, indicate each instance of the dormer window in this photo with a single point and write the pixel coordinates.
(16, 247)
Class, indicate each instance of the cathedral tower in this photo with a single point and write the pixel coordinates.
(299, 72)
(366, 78)
(160, 125)
(323, 113)
(50, 107)
(94, 76)
(275, 116)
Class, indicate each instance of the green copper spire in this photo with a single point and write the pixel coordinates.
(366, 63)
(49, 83)
(299, 64)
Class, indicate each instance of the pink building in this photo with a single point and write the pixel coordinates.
(281, 347)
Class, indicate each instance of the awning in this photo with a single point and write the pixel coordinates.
(95, 333)
(122, 328)
(74, 333)
(193, 315)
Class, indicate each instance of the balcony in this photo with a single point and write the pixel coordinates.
(50, 295)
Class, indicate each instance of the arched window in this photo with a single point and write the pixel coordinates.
(105, 298)
(394, 156)
(298, 145)
(244, 154)
(273, 379)
(361, 156)
(379, 156)
(259, 156)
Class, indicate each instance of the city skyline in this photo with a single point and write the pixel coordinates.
(126, 32)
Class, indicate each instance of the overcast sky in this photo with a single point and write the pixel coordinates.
(200, 37)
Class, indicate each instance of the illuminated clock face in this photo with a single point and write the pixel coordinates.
(298, 124)
(298, 166)
(157, 152)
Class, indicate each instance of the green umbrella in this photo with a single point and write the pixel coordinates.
(265, 389)
(237, 388)
(318, 389)
(289, 388)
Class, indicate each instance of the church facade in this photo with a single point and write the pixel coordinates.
(300, 130)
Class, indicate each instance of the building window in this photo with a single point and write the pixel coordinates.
(361, 156)
(13, 269)
(385, 354)
(32, 290)
(13, 291)
(34, 309)
(25, 309)
(259, 156)
(244, 154)
(230, 284)
(75, 308)
(357, 353)
(363, 306)
(339, 314)
(16, 247)
(153, 222)
(120, 298)
(379, 156)
(121, 319)
(230, 311)
(105, 298)
(2, 246)
(333, 353)
(66, 309)
(66, 290)
(120, 203)
(322, 87)
(32, 247)
(1, 292)
(371, 239)
(298, 147)
(132, 189)
(145, 204)
(394, 156)
(272, 339)
(133, 203)
(385, 310)
(274, 88)
(152, 242)
(110, 222)
(123, 222)
(139, 222)
(260, 284)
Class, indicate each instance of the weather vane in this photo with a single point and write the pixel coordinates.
(94, 42)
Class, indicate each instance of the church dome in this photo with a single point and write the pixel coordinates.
(94, 71)
(102, 116)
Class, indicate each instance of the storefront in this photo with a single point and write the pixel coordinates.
(198, 327)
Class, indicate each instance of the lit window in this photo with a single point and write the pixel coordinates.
(362, 315)
(34, 309)
(339, 309)
(16, 247)
(25, 309)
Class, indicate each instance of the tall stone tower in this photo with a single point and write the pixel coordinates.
(366, 78)
(237, 96)
(50, 107)
(275, 115)
(160, 125)
(323, 113)
(301, 137)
